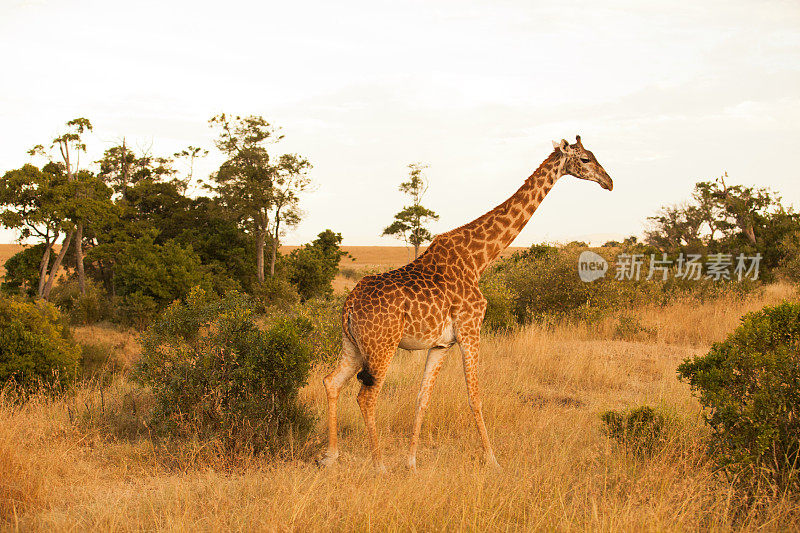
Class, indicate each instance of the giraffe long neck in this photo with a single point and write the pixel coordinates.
(479, 242)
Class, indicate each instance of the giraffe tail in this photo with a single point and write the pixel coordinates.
(364, 376)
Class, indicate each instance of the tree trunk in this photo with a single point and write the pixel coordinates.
(274, 247)
(124, 167)
(416, 251)
(747, 229)
(260, 256)
(79, 257)
(44, 264)
(54, 270)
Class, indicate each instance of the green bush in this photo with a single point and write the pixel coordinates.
(215, 374)
(136, 309)
(499, 305)
(641, 430)
(275, 292)
(311, 269)
(22, 271)
(85, 308)
(35, 348)
(325, 318)
(750, 385)
(543, 283)
(148, 277)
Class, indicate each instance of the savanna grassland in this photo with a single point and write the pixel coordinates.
(80, 463)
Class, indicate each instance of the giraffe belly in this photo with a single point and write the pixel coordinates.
(424, 340)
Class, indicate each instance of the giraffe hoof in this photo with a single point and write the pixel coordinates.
(412, 464)
(326, 459)
(492, 463)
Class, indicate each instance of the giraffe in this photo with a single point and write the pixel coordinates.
(434, 302)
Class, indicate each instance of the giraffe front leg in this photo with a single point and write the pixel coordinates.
(432, 367)
(469, 349)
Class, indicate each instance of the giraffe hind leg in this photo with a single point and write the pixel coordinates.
(433, 365)
(368, 399)
(349, 363)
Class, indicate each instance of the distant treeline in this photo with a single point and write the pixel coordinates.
(132, 239)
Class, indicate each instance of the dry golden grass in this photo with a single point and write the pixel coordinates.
(543, 391)
(123, 344)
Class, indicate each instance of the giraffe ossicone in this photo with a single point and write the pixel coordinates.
(434, 302)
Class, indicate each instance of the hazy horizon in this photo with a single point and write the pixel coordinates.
(664, 97)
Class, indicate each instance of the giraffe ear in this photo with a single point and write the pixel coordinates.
(563, 146)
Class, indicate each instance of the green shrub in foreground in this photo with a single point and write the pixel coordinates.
(750, 384)
(215, 374)
(35, 348)
(86, 308)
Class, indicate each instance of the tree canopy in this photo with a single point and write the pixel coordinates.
(410, 223)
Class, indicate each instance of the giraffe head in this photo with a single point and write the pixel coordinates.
(581, 163)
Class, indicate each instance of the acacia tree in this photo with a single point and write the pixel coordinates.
(409, 224)
(727, 218)
(70, 144)
(190, 154)
(121, 167)
(32, 201)
(289, 181)
(263, 195)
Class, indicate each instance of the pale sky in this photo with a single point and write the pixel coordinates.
(664, 93)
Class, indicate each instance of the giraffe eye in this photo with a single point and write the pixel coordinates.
(585, 160)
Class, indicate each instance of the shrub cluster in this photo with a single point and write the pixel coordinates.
(149, 276)
(499, 315)
(542, 284)
(22, 271)
(215, 374)
(87, 308)
(750, 385)
(35, 347)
